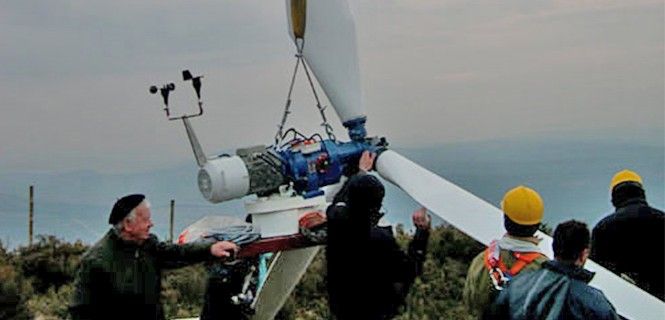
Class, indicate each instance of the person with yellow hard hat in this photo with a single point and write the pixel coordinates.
(631, 240)
(515, 252)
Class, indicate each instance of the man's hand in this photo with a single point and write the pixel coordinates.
(224, 249)
(366, 161)
(421, 219)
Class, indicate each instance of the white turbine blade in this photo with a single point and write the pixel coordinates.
(331, 52)
(466, 212)
(484, 222)
(284, 274)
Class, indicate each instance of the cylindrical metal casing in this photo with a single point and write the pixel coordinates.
(223, 178)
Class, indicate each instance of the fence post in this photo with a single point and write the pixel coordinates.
(31, 215)
(171, 221)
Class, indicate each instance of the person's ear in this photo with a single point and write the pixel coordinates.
(584, 255)
(127, 225)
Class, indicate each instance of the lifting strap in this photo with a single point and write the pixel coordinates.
(498, 272)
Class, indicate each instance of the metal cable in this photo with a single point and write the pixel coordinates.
(325, 124)
(328, 128)
(280, 127)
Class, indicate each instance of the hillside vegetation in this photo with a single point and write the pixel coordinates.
(37, 282)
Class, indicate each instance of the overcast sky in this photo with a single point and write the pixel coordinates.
(74, 75)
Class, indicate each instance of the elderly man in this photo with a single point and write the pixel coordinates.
(120, 276)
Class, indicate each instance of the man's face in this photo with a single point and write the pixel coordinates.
(138, 229)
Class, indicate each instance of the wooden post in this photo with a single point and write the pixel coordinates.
(171, 221)
(31, 214)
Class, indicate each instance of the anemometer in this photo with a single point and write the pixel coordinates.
(166, 89)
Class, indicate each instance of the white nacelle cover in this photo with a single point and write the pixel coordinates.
(224, 178)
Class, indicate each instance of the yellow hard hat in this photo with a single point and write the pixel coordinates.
(523, 205)
(624, 176)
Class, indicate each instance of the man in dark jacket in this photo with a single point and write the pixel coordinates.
(631, 241)
(120, 276)
(559, 290)
(369, 275)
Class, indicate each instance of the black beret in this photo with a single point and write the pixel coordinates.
(123, 206)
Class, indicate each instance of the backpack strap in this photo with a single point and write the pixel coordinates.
(492, 256)
(523, 259)
(495, 267)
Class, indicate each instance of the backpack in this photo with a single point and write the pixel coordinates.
(499, 274)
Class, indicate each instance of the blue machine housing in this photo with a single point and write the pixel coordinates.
(309, 170)
(356, 128)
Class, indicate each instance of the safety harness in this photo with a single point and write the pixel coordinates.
(498, 272)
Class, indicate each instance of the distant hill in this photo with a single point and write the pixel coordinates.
(572, 176)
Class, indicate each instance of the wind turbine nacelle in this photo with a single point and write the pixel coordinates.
(305, 164)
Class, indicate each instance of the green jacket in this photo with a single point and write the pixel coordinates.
(122, 280)
(479, 292)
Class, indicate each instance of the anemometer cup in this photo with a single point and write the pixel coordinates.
(165, 90)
